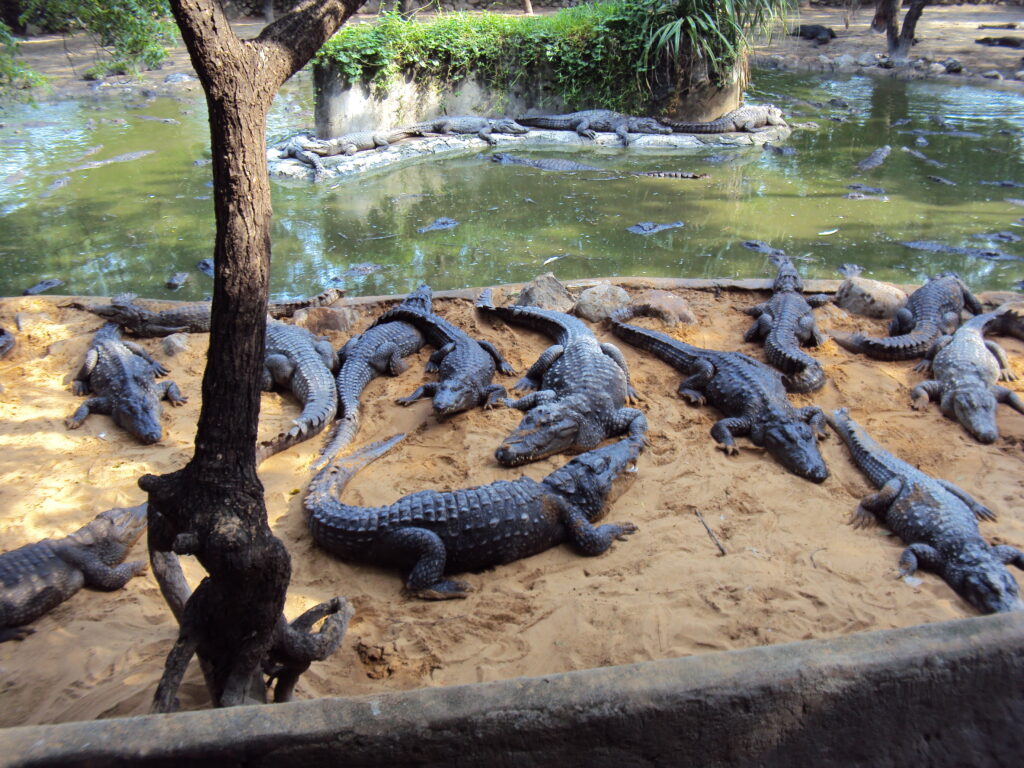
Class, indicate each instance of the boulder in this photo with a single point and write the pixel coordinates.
(546, 292)
(174, 344)
(664, 305)
(993, 74)
(597, 303)
(321, 319)
(953, 66)
(935, 68)
(867, 60)
(870, 298)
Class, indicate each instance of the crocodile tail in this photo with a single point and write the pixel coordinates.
(332, 479)
(810, 379)
(309, 423)
(343, 433)
(680, 127)
(289, 308)
(557, 325)
(905, 347)
(675, 353)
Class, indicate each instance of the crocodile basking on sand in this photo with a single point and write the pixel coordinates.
(936, 520)
(36, 578)
(966, 368)
(465, 366)
(303, 363)
(557, 164)
(193, 317)
(580, 389)
(785, 322)
(482, 127)
(121, 376)
(752, 119)
(931, 311)
(431, 533)
(586, 123)
(750, 393)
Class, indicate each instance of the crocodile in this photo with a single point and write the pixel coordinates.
(432, 533)
(816, 32)
(350, 143)
(750, 393)
(193, 317)
(966, 368)
(875, 159)
(301, 148)
(36, 578)
(297, 360)
(377, 351)
(586, 123)
(784, 323)
(122, 377)
(483, 127)
(931, 311)
(6, 343)
(557, 164)
(465, 366)
(750, 118)
(936, 520)
(580, 389)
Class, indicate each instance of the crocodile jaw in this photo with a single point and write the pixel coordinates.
(538, 435)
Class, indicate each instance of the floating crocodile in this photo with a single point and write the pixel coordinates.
(936, 520)
(923, 157)
(966, 368)
(303, 363)
(193, 317)
(431, 533)
(588, 122)
(465, 365)
(350, 143)
(750, 118)
(785, 322)
(580, 389)
(931, 311)
(36, 578)
(749, 392)
(875, 159)
(991, 254)
(483, 127)
(377, 351)
(557, 164)
(122, 377)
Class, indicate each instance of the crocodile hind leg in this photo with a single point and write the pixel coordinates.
(426, 579)
(92, 405)
(902, 323)
(759, 328)
(919, 556)
(501, 362)
(808, 333)
(1009, 555)
(277, 369)
(170, 392)
(589, 539)
(427, 390)
(158, 369)
(925, 366)
(437, 357)
(1005, 372)
(616, 355)
(874, 505)
(726, 429)
(690, 388)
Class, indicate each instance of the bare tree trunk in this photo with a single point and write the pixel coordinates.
(528, 7)
(268, 11)
(887, 18)
(906, 38)
(213, 508)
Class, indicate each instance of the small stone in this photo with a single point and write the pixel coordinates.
(870, 298)
(321, 319)
(597, 303)
(670, 308)
(953, 67)
(178, 77)
(992, 74)
(867, 60)
(174, 344)
(1019, 74)
(845, 60)
(546, 292)
(935, 68)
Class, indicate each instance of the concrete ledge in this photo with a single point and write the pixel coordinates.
(940, 694)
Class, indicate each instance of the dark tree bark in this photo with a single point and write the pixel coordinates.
(268, 11)
(213, 508)
(886, 19)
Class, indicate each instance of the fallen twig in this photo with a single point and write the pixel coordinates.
(711, 533)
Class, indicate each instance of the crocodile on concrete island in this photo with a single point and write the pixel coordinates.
(362, 141)
(750, 118)
(482, 127)
(558, 164)
(936, 520)
(785, 322)
(750, 393)
(431, 533)
(588, 122)
(931, 311)
(121, 376)
(36, 578)
(966, 368)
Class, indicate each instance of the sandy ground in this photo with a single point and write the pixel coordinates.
(793, 571)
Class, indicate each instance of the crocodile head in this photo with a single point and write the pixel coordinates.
(544, 431)
(976, 410)
(788, 279)
(112, 533)
(982, 580)
(507, 125)
(648, 125)
(795, 446)
(454, 396)
(139, 415)
(595, 479)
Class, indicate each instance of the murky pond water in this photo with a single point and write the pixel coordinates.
(127, 225)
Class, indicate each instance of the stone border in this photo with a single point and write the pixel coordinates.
(341, 166)
(936, 694)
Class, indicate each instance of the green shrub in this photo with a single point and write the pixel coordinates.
(16, 79)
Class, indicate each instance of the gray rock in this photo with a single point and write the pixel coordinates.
(870, 298)
(992, 74)
(597, 303)
(953, 66)
(1019, 74)
(935, 68)
(546, 292)
(178, 77)
(845, 60)
(321, 319)
(867, 60)
(174, 344)
(668, 307)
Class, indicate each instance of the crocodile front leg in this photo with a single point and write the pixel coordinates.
(583, 129)
(485, 134)
(726, 429)
(691, 388)
(98, 574)
(1005, 372)
(158, 369)
(427, 390)
(590, 540)
(632, 420)
(535, 375)
(919, 556)
(1009, 397)
(92, 405)
(525, 403)
(503, 365)
(1008, 555)
(170, 392)
(493, 395)
(980, 510)
(437, 357)
(925, 392)
(620, 360)
(815, 417)
(874, 505)
(426, 579)
(622, 131)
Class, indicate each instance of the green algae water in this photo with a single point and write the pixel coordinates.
(110, 227)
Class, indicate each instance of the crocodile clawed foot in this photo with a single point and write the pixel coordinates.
(1008, 375)
(861, 518)
(443, 590)
(72, 423)
(178, 400)
(691, 397)
(923, 366)
(405, 401)
(507, 370)
(15, 633)
(729, 449)
(625, 530)
(919, 403)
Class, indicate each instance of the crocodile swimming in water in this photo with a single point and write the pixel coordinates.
(580, 389)
(785, 322)
(121, 376)
(557, 164)
(431, 533)
(931, 311)
(749, 392)
(750, 118)
(936, 520)
(482, 127)
(588, 122)
(966, 368)
(36, 578)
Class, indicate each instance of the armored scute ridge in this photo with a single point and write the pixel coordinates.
(785, 322)
(931, 311)
(586, 123)
(749, 392)
(121, 376)
(581, 388)
(937, 522)
(747, 118)
(966, 368)
(431, 533)
(36, 578)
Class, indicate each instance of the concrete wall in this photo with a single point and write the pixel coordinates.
(949, 694)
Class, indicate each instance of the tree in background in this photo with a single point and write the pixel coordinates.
(887, 13)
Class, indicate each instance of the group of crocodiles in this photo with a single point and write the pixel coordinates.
(578, 396)
(310, 150)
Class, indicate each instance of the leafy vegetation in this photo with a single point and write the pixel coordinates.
(16, 80)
